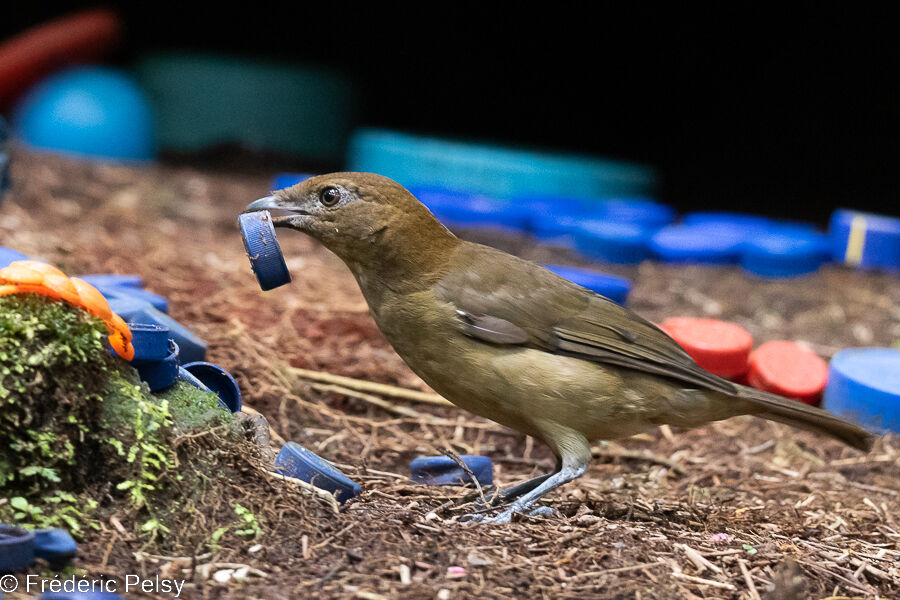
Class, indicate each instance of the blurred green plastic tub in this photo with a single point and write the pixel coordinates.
(204, 100)
(496, 171)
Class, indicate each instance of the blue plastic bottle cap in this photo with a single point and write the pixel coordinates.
(89, 111)
(8, 255)
(613, 287)
(865, 240)
(726, 218)
(613, 241)
(155, 300)
(443, 470)
(701, 243)
(54, 545)
(296, 461)
(263, 250)
(188, 377)
(784, 252)
(218, 380)
(113, 280)
(645, 212)
(864, 386)
(286, 180)
(150, 341)
(191, 347)
(16, 549)
(463, 211)
(160, 374)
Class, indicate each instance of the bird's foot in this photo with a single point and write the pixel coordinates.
(506, 516)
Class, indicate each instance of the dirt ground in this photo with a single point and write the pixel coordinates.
(737, 509)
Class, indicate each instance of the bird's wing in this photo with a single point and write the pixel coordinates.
(500, 299)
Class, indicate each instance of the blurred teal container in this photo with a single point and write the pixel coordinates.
(205, 100)
(493, 171)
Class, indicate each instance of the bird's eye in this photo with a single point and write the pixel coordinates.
(330, 196)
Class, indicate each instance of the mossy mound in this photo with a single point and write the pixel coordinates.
(82, 437)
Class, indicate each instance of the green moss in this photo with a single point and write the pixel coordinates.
(77, 424)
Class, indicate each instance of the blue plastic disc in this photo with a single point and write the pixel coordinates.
(865, 240)
(699, 243)
(784, 252)
(613, 287)
(286, 180)
(456, 210)
(864, 386)
(16, 549)
(159, 374)
(189, 378)
(54, 545)
(726, 218)
(217, 380)
(8, 255)
(263, 250)
(645, 212)
(113, 280)
(613, 241)
(158, 302)
(296, 461)
(191, 347)
(150, 341)
(443, 470)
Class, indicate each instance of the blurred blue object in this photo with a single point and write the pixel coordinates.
(116, 291)
(80, 596)
(459, 210)
(726, 218)
(8, 255)
(617, 242)
(150, 341)
(612, 286)
(89, 111)
(784, 251)
(712, 243)
(865, 240)
(16, 548)
(55, 546)
(296, 461)
(192, 348)
(159, 374)
(286, 180)
(113, 280)
(864, 387)
(492, 171)
(443, 470)
(4, 158)
(645, 212)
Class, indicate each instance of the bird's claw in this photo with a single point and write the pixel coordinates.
(506, 516)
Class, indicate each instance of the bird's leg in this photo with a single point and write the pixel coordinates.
(523, 488)
(575, 455)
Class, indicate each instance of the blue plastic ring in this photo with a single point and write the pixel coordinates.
(263, 250)
(160, 374)
(217, 380)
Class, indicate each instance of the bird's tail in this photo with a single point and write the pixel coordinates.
(804, 416)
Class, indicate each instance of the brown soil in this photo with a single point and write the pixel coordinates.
(731, 510)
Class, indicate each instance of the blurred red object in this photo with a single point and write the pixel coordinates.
(719, 347)
(788, 369)
(83, 37)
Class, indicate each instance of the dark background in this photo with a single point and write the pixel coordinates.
(783, 112)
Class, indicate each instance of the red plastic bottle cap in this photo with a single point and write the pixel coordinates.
(719, 347)
(788, 369)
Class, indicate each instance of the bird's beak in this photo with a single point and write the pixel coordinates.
(267, 203)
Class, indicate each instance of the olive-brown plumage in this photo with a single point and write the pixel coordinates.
(513, 342)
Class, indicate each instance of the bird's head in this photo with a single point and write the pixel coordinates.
(371, 222)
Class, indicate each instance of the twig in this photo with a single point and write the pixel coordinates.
(701, 581)
(453, 456)
(637, 455)
(308, 488)
(639, 567)
(754, 594)
(369, 386)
